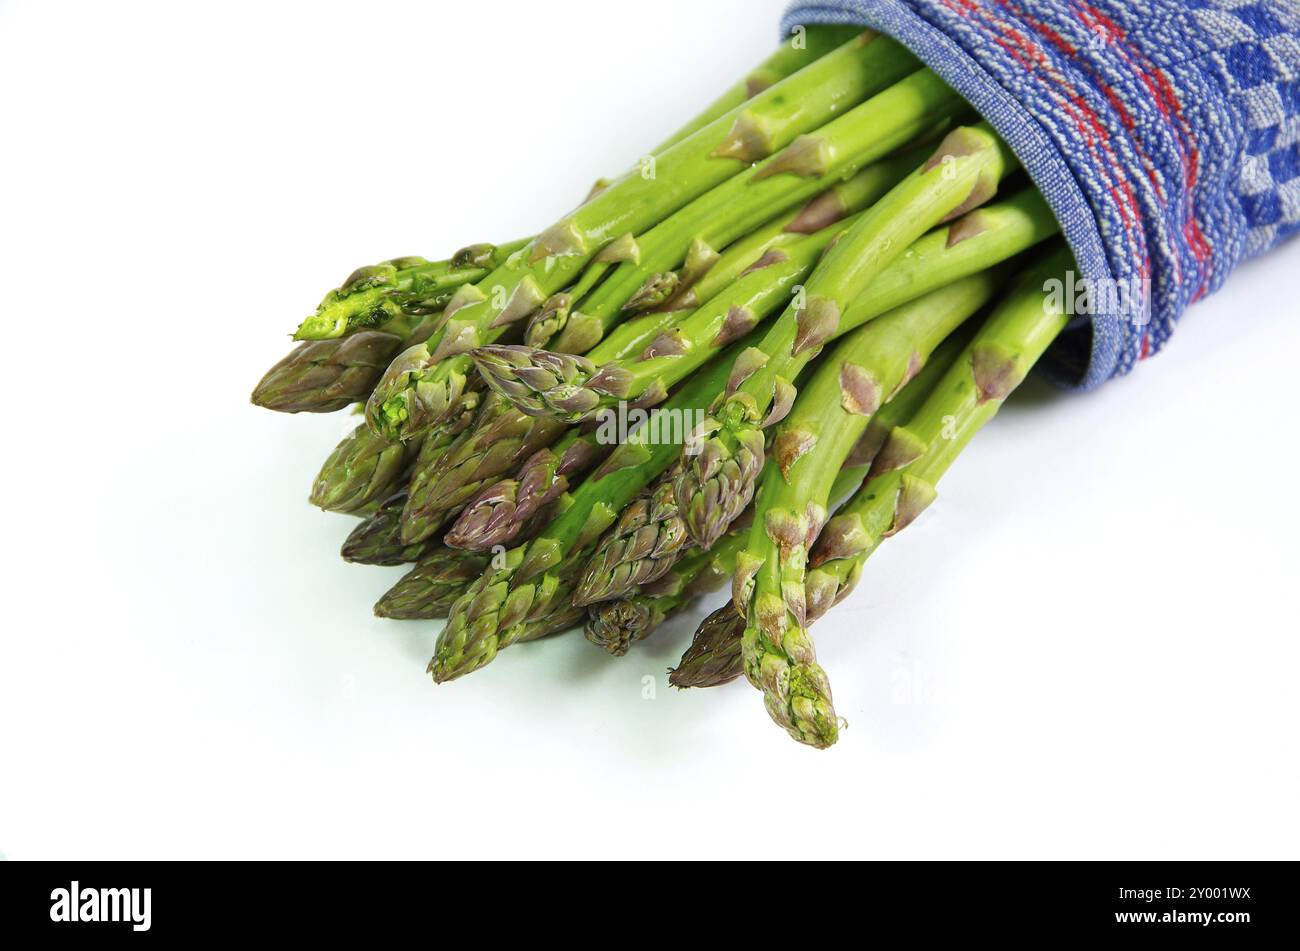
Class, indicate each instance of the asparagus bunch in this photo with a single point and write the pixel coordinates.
(392, 297)
(813, 443)
(599, 425)
(511, 601)
(630, 612)
(906, 471)
(614, 625)
(910, 444)
(718, 479)
(744, 295)
(424, 385)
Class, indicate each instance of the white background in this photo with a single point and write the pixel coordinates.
(1088, 649)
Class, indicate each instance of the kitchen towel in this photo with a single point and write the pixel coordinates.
(1165, 134)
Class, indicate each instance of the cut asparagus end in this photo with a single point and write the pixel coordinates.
(614, 626)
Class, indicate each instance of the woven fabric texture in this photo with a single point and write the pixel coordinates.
(1165, 134)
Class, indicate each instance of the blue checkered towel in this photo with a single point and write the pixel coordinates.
(1164, 133)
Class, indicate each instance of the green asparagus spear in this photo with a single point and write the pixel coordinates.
(429, 589)
(500, 441)
(500, 513)
(324, 376)
(790, 57)
(362, 469)
(865, 134)
(643, 544)
(530, 582)
(651, 536)
(366, 468)
(714, 657)
(808, 451)
(718, 481)
(376, 294)
(441, 485)
(384, 296)
(836, 203)
(908, 467)
(615, 625)
(572, 388)
(424, 385)
(320, 376)
(377, 540)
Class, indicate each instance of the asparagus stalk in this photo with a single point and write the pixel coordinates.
(362, 469)
(378, 540)
(441, 485)
(532, 582)
(575, 389)
(615, 625)
(424, 385)
(384, 297)
(808, 451)
(867, 133)
(717, 482)
(841, 200)
(328, 371)
(572, 389)
(651, 536)
(906, 472)
(500, 513)
(501, 440)
(320, 376)
(643, 544)
(366, 468)
(328, 375)
(836, 203)
(379, 293)
(714, 657)
(791, 56)
(428, 590)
